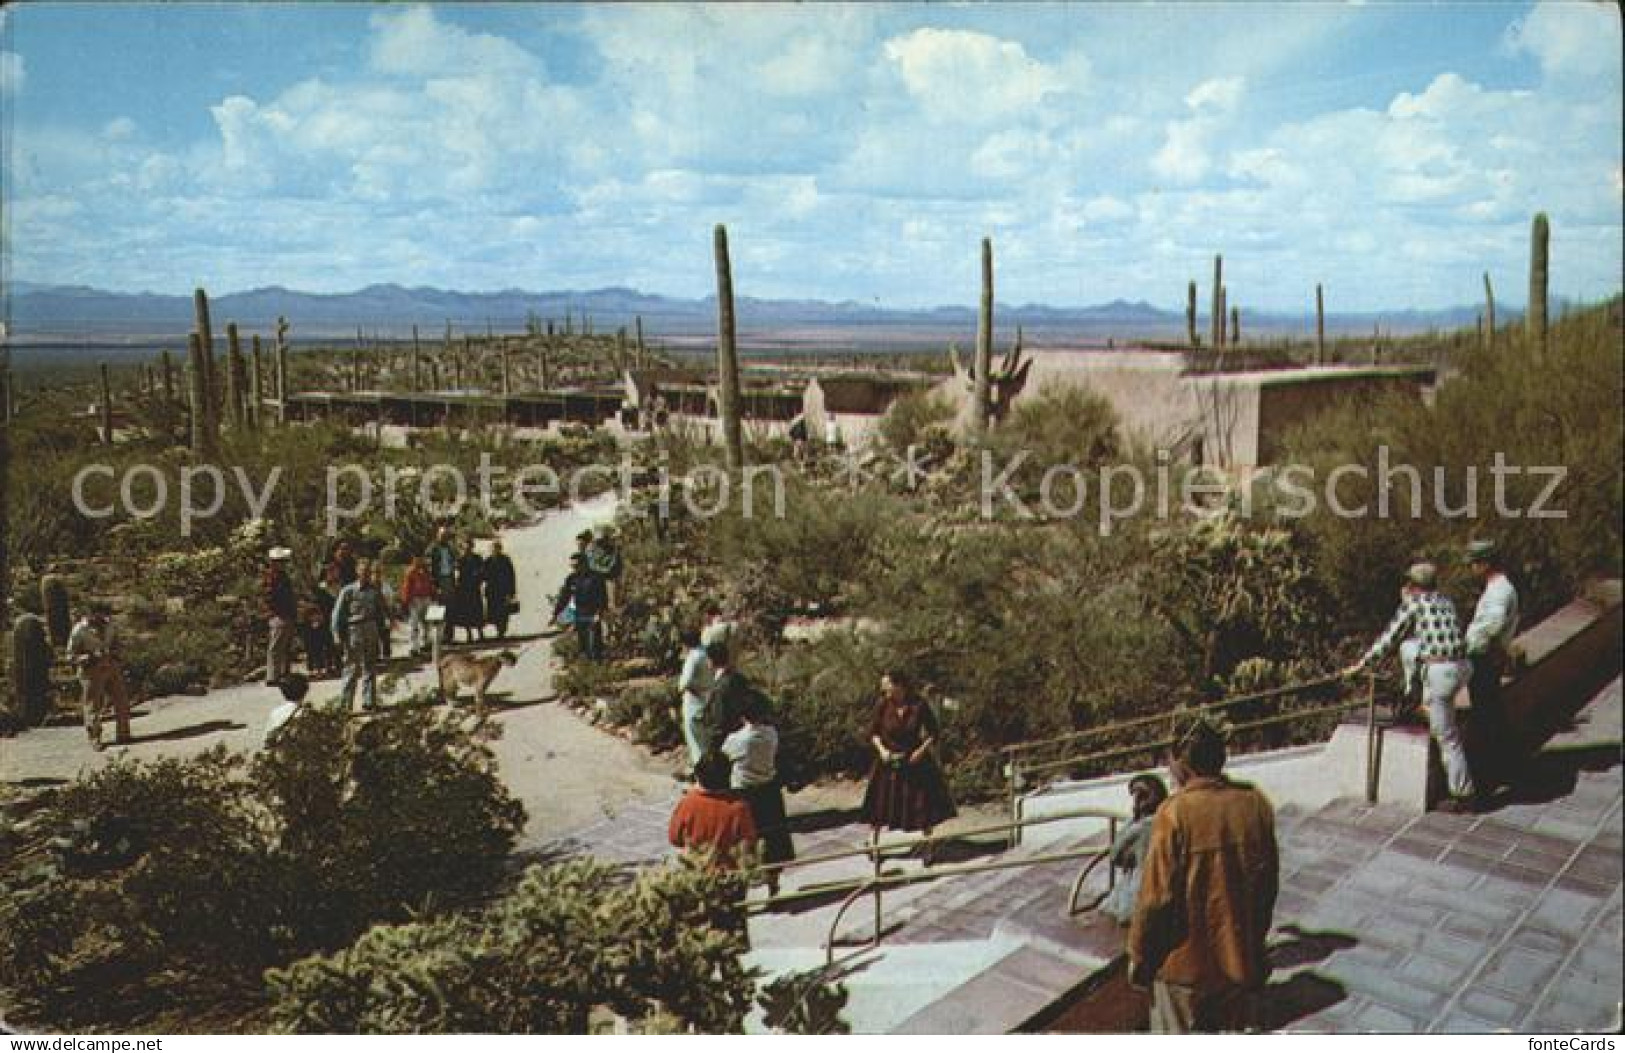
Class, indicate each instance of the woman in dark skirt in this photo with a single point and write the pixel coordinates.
(467, 609)
(906, 788)
(754, 750)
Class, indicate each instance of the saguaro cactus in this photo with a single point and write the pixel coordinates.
(1320, 325)
(53, 595)
(169, 377)
(107, 407)
(1489, 313)
(1535, 323)
(1216, 322)
(982, 393)
(1235, 327)
(30, 669)
(1190, 314)
(205, 364)
(234, 377)
(256, 383)
(643, 349)
(203, 436)
(727, 353)
(507, 372)
(281, 370)
(417, 362)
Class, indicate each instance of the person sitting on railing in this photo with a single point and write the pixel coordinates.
(1128, 851)
(710, 818)
(906, 788)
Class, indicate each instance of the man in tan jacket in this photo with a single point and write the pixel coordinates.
(1207, 896)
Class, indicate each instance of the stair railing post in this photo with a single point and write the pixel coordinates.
(1371, 740)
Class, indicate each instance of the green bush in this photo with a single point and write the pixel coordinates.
(570, 942)
(918, 419)
(1562, 409)
(158, 893)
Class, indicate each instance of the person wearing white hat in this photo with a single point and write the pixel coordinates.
(1429, 618)
(281, 610)
(1489, 643)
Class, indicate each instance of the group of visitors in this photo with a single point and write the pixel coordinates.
(1437, 657)
(732, 746)
(345, 626)
(476, 591)
(1201, 867)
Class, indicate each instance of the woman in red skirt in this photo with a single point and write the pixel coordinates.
(906, 788)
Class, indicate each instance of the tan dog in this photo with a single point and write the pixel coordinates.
(473, 672)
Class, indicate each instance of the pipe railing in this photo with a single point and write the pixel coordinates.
(878, 880)
(1018, 770)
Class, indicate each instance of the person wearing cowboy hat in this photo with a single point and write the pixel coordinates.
(1489, 643)
(1429, 619)
(281, 609)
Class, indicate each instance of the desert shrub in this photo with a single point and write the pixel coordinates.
(1562, 409)
(1064, 424)
(572, 939)
(168, 887)
(916, 419)
(1233, 590)
(651, 711)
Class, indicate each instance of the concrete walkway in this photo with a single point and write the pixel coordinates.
(567, 773)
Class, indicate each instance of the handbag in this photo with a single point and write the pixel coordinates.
(568, 617)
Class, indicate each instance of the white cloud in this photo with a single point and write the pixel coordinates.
(1185, 157)
(119, 128)
(412, 42)
(13, 72)
(958, 75)
(1220, 95)
(1570, 38)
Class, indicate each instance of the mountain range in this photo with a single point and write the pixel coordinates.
(65, 313)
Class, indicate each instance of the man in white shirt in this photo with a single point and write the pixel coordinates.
(92, 648)
(695, 683)
(1489, 640)
(754, 750)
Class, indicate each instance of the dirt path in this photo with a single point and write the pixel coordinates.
(568, 773)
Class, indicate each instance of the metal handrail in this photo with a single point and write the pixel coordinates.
(877, 881)
(1016, 768)
(1224, 703)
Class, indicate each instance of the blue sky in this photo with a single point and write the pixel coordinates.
(1393, 152)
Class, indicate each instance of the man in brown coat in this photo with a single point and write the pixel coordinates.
(1207, 896)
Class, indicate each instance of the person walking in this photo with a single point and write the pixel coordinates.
(604, 557)
(1429, 618)
(467, 610)
(1489, 648)
(442, 556)
(583, 596)
(93, 650)
(754, 752)
(1130, 847)
(361, 618)
(339, 572)
(710, 818)
(417, 592)
(281, 609)
(725, 704)
(695, 684)
(1207, 896)
(906, 789)
(501, 585)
